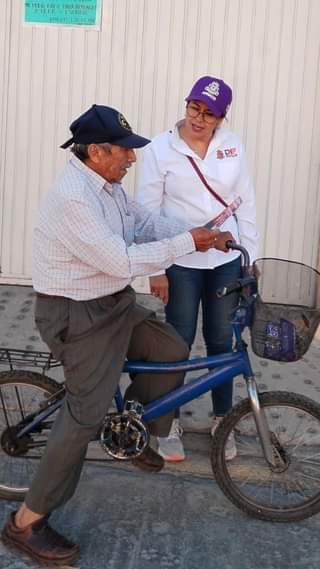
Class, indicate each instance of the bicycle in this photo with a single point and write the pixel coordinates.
(275, 475)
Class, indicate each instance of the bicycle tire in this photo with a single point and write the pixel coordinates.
(237, 479)
(21, 392)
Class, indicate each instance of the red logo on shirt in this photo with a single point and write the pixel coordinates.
(230, 152)
(227, 153)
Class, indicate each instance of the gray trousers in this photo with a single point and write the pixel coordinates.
(92, 339)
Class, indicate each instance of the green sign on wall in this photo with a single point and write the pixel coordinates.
(63, 12)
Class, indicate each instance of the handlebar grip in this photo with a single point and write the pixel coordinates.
(237, 286)
(228, 289)
(233, 245)
(230, 244)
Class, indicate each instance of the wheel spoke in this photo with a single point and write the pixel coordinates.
(20, 402)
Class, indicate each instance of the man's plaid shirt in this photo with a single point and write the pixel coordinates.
(91, 239)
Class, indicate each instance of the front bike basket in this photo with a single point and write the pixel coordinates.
(286, 312)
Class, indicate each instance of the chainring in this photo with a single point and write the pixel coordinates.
(124, 436)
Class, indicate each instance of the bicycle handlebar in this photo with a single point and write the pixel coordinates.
(233, 245)
(239, 284)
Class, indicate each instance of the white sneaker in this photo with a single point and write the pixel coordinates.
(231, 449)
(171, 447)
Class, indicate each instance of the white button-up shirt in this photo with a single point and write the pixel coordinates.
(169, 185)
(92, 240)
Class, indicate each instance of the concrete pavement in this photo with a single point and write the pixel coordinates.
(131, 520)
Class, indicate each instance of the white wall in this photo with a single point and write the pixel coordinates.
(143, 61)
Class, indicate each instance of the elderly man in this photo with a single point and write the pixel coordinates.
(90, 241)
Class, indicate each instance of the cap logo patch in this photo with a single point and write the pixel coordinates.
(212, 90)
(123, 122)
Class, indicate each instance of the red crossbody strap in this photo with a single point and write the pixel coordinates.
(204, 181)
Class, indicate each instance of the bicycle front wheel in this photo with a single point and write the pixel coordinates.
(22, 393)
(287, 493)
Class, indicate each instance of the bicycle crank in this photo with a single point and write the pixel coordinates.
(125, 436)
(13, 446)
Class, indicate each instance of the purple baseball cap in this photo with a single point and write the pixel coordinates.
(214, 92)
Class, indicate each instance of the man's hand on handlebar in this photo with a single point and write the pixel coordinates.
(205, 239)
(222, 239)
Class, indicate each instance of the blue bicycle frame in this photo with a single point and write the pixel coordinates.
(222, 368)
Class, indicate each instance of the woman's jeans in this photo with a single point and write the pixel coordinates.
(187, 288)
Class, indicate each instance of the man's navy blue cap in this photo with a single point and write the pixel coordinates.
(101, 124)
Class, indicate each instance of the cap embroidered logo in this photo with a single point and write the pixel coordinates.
(212, 90)
(123, 122)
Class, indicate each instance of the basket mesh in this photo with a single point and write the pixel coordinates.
(286, 313)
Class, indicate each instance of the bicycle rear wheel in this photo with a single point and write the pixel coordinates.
(22, 393)
(289, 493)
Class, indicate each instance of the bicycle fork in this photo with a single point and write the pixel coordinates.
(271, 453)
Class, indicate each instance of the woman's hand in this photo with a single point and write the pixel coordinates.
(159, 286)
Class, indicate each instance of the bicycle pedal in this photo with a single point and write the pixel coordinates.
(134, 407)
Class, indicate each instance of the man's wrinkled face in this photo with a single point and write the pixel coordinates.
(111, 162)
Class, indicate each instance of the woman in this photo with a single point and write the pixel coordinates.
(194, 172)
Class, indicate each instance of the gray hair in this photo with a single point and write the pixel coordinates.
(81, 150)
